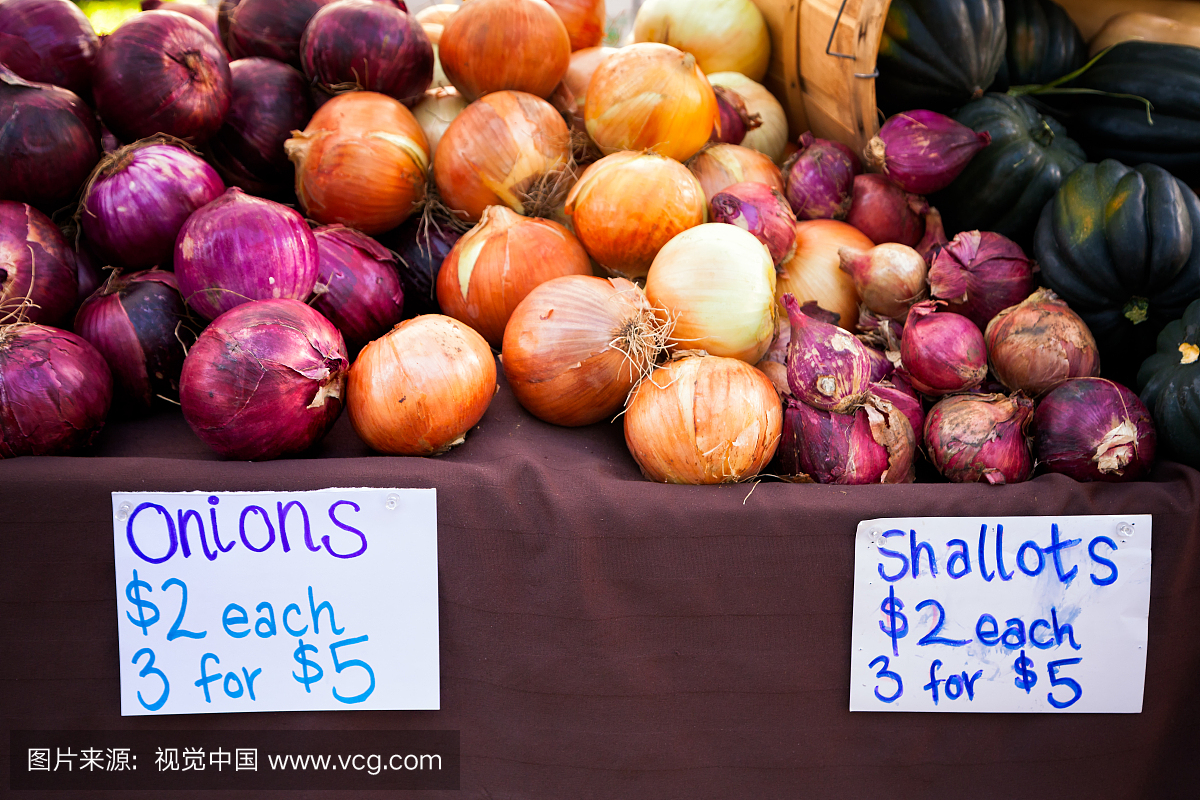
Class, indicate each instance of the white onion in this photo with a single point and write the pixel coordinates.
(723, 35)
(771, 137)
(436, 111)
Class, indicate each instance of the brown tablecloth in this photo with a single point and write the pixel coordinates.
(605, 637)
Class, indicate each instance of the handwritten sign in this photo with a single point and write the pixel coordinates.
(277, 601)
(1008, 614)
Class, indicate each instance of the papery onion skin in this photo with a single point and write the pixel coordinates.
(436, 111)
(872, 443)
(270, 28)
(162, 72)
(819, 180)
(981, 437)
(813, 271)
(358, 288)
(419, 388)
(715, 284)
(576, 345)
(828, 368)
(885, 212)
(492, 45)
(498, 151)
(889, 277)
(1039, 343)
(584, 21)
(627, 205)
(49, 142)
(264, 380)
(270, 100)
(362, 162)
(138, 198)
(761, 210)
(728, 35)
(897, 391)
(942, 352)
(498, 262)
(139, 323)
(368, 45)
(979, 274)
(650, 97)
(240, 248)
(422, 248)
(38, 276)
(703, 420)
(719, 166)
(48, 41)
(934, 238)
(55, 391)
(771, 136)
(923, 151)
(1093, 429)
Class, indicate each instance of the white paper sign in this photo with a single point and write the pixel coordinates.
(1001, 614)
(277, 601)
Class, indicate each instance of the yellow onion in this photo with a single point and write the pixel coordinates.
(720, 166)
(889, 277)
(436, 111)
(650, 96)
(723, 35)
(506, 148)
(702, 419)
(361, 161)
(418, 389)
(576, 345)
(571, 95)
(626, 206)
(813, 271)
(584, 20)
(489, 45)
(716, 284)
(498, 262)
(771, 137)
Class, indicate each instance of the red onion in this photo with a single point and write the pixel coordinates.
(979, 274)
(735, 119)
(827, 367)
(48, 41)
(140, 325)
(422, 245)
(761, 210)
(38, 277)
(224, 9)
(138, 198)
(264, 380)
(90, 276)
(358, 288)
(1092, 429)
(899, 392)
(942, 352)
(818, 179)
(889, 277)
(48, 142)
(972, 438)
(162, 72)
(206, 15)
(56, 390)
(270, 28)
(364, 44)
(1039, 343)
(885, 212)
(923, 151)
(269, 101)
(934, 238)
(872, 444)
(240, 248)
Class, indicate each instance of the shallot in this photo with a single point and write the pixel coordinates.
(1040, 342)
(979, 274)
(827, 367)
(923, 151)
(942, 352)
(889, 277)
(1093, 429)
(819, 179)
(981, 437)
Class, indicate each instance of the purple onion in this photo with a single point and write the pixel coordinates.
(240, 248)
(162, 72)
(735, 119)
(206, 15)
(942, 352)
(761, 210)
(934, 238)
(48, 41)
(422, 248)
(38, 277)
(270, 28)
(358, 288)
(224, 10)
(886, 213)
(48, 142)
(139, 197)
(981, 437)
(923, 151)
(1092, 429)
(56, 390)
(900, 393)
(270, 100)
(980, 274)
(264, 380)
(140, 325)
(874, 443)
(818, 179)
(827, 367)
(364, 44)
(88, 271)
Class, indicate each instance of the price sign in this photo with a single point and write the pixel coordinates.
(277, 601)
(1033, 614)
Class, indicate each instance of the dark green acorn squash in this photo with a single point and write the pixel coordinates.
(1170, 386)
(1168, 75)
(938, 54)
(1122, 246)
(1007, 184)
(1043, 43)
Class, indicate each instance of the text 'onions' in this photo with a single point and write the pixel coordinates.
(981, 437)
(1094, 430)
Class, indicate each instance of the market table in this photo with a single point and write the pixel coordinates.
(603, 636)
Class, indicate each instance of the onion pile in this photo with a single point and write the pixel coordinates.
(48, 41)
(358, 288)
(38, 276)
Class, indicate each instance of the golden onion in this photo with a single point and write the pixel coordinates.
(771, 137)
(584, 20)
(720, 166)
(723, 35)
(814, 269)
